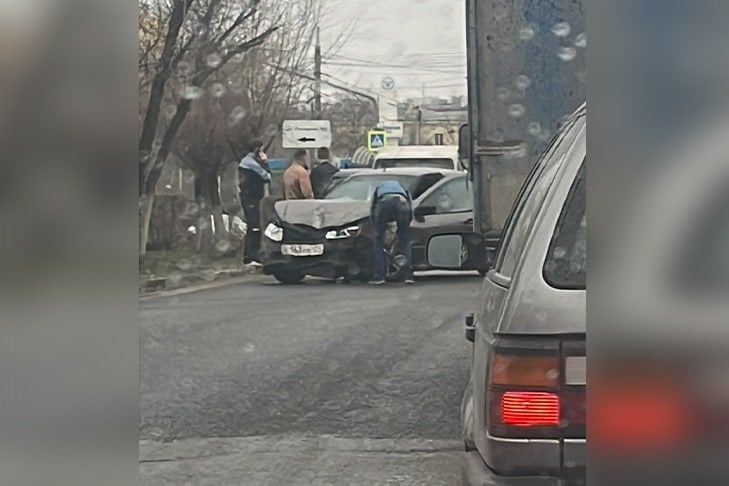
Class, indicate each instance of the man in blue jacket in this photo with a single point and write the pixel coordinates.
(254, 175)
(391, 202)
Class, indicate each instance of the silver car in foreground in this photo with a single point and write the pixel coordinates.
(524, 408)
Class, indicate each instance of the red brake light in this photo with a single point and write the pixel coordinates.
(527, 409)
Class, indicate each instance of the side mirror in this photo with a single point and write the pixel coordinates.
(464, 145)
(446, 252)
(422, 211)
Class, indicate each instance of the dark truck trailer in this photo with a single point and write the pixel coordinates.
(526, 74)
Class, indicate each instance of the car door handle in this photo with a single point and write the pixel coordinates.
(468, 221)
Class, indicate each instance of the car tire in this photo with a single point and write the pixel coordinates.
(289, 277)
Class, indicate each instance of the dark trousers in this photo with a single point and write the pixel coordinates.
(387, 210)
(252, 242)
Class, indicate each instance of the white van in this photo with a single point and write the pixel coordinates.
(434, 156)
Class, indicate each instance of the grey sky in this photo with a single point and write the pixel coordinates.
(415, 42)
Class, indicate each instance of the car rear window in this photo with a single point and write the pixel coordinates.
(442, 163)
(361, 187)
(566, 264)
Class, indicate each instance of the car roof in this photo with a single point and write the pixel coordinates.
(405, 151)
(414, 171)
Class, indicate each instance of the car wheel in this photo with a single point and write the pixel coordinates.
(288, 277)
(467, 418)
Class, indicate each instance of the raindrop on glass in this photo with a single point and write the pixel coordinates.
(516, 110)
(522, 82)
(566, 53)
(238, 113)
(187, 382)
(561, 29)
(174, 278)
(191, 93)
(503, 93)
(184, 68)
(213, 60)
(238, 58)
(534, 128)
(544, 135)
(217, 90)
(189, 178)
(552, 374)
(249, 348)
(527, 32)
(581, 41)
(170, 111)
(500, 11)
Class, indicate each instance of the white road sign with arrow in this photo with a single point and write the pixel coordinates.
(306, 134)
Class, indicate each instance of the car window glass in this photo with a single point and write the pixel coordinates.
(566, 262)
(361, 187)
(452, 197)
(425, 183)
(531, 199)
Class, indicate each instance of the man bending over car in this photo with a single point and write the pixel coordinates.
(391, 202)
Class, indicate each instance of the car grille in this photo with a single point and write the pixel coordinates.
(294, 233)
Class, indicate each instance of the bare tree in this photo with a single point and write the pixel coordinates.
(202, 148)
(201, 37)
(350, 117)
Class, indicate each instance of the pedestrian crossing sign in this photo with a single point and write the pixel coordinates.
(376, 139)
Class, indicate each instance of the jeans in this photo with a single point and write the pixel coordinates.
(252, 242)
(386, 210)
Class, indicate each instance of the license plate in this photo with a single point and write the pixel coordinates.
(302, 250)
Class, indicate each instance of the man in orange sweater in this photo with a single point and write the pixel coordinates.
(296, 182)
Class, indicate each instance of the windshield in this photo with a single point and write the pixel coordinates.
(437, 163)
(361, 187)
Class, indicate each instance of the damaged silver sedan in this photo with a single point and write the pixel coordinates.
(332, 237)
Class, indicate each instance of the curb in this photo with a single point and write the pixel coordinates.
(155, 285)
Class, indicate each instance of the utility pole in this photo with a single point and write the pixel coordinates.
(317, 75)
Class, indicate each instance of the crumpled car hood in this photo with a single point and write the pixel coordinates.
(321, 214)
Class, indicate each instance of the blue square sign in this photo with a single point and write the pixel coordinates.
(376, 139)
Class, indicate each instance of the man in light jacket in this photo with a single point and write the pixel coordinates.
(296, 182)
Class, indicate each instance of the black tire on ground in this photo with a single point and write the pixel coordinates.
(288, 277)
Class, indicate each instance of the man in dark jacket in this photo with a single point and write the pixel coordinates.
(321, 174)
(253, 175)
(391, 202)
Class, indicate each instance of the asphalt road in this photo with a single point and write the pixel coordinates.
(320, 383)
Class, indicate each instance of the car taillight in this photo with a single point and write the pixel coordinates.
(527, 409)
(528, 397)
